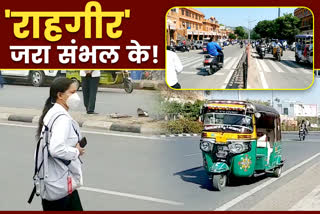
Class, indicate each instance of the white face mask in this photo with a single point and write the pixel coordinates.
(73, 101)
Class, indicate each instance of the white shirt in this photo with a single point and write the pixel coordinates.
(95, 73)
(174, 66)
(62, 143)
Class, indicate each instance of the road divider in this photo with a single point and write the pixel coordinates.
(145, 126)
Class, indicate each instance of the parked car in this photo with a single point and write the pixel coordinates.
(36, 77)
(198, 44)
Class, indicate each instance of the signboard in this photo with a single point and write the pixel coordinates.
(306, 110)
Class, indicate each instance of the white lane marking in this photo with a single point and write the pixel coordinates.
(236, 200)
(192, 62)
(88, 132)
(236, 63)
(310, 202)
(263, 80)
(230, 64)
(128, 195)
(258, 64)
(194, 154)
(264, 66)
(275, 66)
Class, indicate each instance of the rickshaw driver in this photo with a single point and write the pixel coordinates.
(263, 142)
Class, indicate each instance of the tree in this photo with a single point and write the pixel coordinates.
(266, 29)
(287, 27)
(240, 31)
(232, 36)
(284, 27)
(254, 35)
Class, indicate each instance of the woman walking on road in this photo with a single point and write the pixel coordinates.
(63, 146)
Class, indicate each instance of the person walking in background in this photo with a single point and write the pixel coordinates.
(63, 166)
(174, 67)
(90, 82)
(1, 81)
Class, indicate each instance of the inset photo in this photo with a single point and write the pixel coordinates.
(239, 48)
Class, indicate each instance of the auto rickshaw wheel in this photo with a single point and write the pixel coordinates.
(277, 172)
(219, 181)
(128, 85)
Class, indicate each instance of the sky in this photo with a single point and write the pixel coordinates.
(309, 96)
(234, 17)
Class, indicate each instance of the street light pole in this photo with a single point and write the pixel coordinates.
(278, 12)
(249, 27)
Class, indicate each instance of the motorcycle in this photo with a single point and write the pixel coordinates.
(182, 48)
(302, 134)
(241, 45)
(277, 53)
(171, 48)
(262, 51)
(211, 63)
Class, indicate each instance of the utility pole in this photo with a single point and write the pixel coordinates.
(249, 28)
(239, 95)
(278, 12)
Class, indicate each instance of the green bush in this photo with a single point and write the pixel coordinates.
(175, 127)
(184, 126)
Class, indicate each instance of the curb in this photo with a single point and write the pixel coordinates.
(180, 135)
(104, 125)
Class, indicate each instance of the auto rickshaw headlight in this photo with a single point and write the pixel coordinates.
(206, 145)
(238, 147)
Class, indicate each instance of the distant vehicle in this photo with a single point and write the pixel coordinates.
(36, 77)
(304, 49)
(198, 44)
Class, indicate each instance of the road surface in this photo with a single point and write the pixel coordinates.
(284, 74)
(194, 77)
(132, 172)
(108, 100)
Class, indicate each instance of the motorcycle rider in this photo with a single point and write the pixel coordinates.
(241, 43)
(303, 126)
(215, 50)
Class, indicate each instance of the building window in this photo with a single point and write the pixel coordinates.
(197, 26)
(182, 11)
(285, 111)
(187, 13)
(174, 10)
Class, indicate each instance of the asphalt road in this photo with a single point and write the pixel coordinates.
(285, 74)
(138, 173)
(194, 77)
(108, 100)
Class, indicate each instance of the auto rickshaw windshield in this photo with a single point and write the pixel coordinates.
(229, 122)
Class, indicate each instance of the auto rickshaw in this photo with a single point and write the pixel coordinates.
(107, 78)
(240, 139)
(277, 50)
(304, 49)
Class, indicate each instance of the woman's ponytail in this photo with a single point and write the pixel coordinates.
(47, 106)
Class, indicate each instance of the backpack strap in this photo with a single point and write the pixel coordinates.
(49, 128)
(36, 168)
